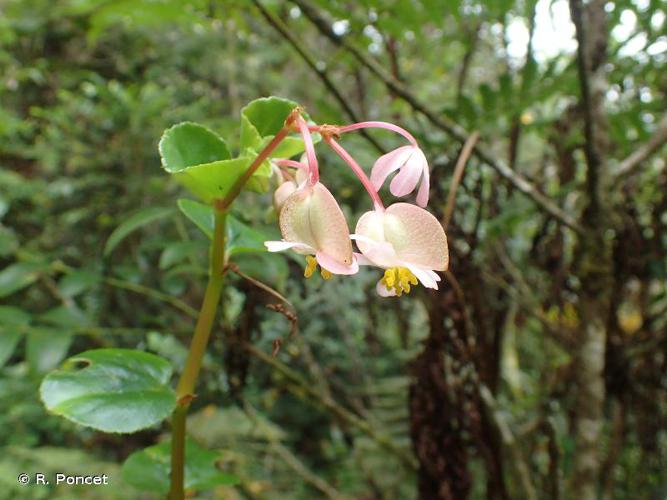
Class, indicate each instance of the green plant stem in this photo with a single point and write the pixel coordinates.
(178, 419)
(186, 384)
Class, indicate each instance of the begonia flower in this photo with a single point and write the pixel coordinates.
(412, 166)
(405, 240)
(312, 223)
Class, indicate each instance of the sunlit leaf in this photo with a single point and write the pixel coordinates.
(210, 181)
(262, 119)
(188, 144)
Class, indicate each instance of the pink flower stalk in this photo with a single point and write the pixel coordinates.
(313, 167)
(405, 240)
(359, 172)
(312, 223)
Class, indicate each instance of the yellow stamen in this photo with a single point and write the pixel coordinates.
(399, 279)
(310, 266)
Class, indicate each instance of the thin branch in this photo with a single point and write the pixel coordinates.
(442, 122)
(467, 59)
(304, 388)
(292, 460)
(509, 442)
(632, 163)
(319, 70)
(456, 178)
(155, 294)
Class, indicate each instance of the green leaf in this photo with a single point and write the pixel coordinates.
(149, 469)
(241, 238)
(210, 181)
(111, 390)
(18, 276)
(10, 318)
(77, 282)
(46, 347)
(268, 114)
(262, 119)
(136, 221)
(198, 213)
(179, 251)
(141, 14)
(8, 240)
(188, 144)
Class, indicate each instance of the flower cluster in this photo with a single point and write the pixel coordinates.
(403, 239)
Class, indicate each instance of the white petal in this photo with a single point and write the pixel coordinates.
(279, 246)
(383, 291)
(426, 277)
(362, 260)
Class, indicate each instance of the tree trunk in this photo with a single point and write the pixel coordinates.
(593, 255)
(437, 408)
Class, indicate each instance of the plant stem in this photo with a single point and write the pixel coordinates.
(358, 171)
(223, 205)
(186, 384)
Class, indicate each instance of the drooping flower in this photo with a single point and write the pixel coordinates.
(312, 223)
(412, 165)
(405, 240)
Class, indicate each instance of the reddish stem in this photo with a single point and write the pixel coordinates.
(384, 125)
(359, 172)
(314, 176)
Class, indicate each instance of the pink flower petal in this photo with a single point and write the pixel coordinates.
(424, 187)
(334, 266)
(312, 216)
(280, 195)
(295, 219)
(371, 240)
(328, 225)
(416, 236)
(406, 180)
(388, 163)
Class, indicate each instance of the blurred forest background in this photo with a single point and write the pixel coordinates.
(538, 371)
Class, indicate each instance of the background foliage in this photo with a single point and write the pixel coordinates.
(87, 88)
